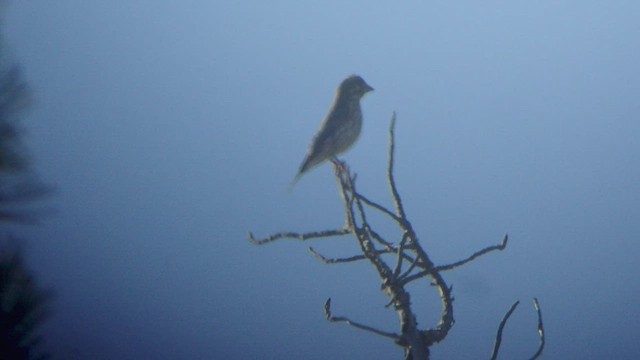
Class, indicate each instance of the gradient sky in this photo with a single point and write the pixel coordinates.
(171, 129)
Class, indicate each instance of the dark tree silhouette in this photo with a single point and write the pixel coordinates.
(17, 184)
(412, 263)
(23, 304)
(14, 97)
(23, 308)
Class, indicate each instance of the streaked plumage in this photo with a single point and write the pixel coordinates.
(341, 127)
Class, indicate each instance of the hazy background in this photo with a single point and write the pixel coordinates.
(171, 129)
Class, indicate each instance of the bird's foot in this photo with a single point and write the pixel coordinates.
(339, 166)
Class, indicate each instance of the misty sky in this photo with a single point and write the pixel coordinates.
(171, 129)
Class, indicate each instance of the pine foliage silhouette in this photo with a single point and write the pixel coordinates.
(23, 304)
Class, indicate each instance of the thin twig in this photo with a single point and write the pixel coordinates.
(392, 183)
(382, 241)
(398, 267)
(377, 206)
(408, 271)
(352, 188)
(496, 345)
(536, 305)
(345, 182)
(327, 260)
(404, 280)
(389, 246)
(456, 264)
(331, 318)
(475, 255)
(299, 236)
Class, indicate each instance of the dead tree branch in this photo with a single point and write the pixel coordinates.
(327, 260)
(503, 322)
(498, 341)
(415, 341)
(408, 278)
(299, 236)
(536, 305)
(475, 255)
(330, 317)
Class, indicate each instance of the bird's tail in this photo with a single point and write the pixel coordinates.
(304, 167)
(295, 181)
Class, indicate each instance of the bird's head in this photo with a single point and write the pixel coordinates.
(355, 86)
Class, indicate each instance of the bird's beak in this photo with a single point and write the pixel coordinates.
(369, 88)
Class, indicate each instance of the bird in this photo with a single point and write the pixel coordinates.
(340, 128)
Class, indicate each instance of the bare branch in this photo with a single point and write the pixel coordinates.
(383, 242)
(363, 217)
(354, 258)
(377, 206)
(536, 305)
(392, 182)
(456, 264)
(496, 345)
(398, 268)
(408, 271)
(475, 255)
(345, 180)
(389, 246)
(364, 234)
(299, 236)
(406, 278)
(446, 320)
(331, 318)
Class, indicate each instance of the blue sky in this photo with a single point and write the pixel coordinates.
(172, 129)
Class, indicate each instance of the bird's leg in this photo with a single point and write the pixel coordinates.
(339, 166)
(342, 172)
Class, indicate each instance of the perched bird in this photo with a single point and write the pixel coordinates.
(341, 126)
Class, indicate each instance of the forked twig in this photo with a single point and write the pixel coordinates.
(498, 341)
(330, 317)
(379, 207)
(392, 183)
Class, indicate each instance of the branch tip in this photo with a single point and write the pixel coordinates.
(536, 305)
(503, 322)
(327, 309)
